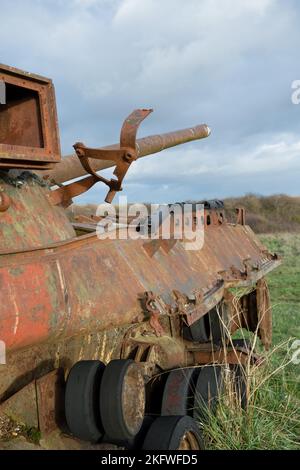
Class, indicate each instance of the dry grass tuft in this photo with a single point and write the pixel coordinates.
(270, 419)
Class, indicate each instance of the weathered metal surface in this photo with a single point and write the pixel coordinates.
(25, 366)
(241, 216)
(70, 166)
(154, 312)
(5, 202)
(28, 121)
(133, 398)
(67, 298)
(68, 288)
(264, 313)
(27, 218)
(122, 157)
(38, 404)
(50, 401)
(31, 381)
(22, 406)
(212, 354)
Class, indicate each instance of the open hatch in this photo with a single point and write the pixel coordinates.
(29, 135)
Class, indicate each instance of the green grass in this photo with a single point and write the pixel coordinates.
(272, 419)
(284, 286)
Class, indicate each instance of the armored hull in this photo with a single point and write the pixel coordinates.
(84, 315)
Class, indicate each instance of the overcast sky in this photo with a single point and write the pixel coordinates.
(227, 63)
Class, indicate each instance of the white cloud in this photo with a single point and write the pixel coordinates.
(229, 63)
(199, 159)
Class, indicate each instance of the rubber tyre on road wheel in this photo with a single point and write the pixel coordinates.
(82, 400)
(178, 392)
(241, 343)
(208, 389)
(198, 332)
(219, 323)
(122, 420)
(240, 384)
(173, 433)
(136, 442)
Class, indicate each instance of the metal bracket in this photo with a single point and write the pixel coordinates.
(151, 307)
(122, 157)
(196, 305)
(4, 202)
(216, 354)
(241, 216)
(2, 92)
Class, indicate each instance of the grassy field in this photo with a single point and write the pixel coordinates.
(272, 420)
(285, 286)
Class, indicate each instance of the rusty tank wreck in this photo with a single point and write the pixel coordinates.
(122, 341)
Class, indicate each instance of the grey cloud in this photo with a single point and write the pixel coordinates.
(229, 63)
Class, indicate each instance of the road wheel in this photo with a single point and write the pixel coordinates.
(173, 433)
(198, 332)
(154, 393)
(208, 388)
(82, 400)
(136, 442)
(122, 400)
(241, 343)
(240, 384)
(178, 392)
(211, 327)
(219, 323)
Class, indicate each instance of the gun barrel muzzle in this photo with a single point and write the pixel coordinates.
(70, 167)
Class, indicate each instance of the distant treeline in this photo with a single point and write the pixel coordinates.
(267, 214)
(264, 214)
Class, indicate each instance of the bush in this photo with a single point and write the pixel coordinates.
(267, 214)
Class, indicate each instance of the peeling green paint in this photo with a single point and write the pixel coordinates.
(16, 271)
(31, 221)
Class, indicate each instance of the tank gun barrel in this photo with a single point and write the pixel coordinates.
(70, 167)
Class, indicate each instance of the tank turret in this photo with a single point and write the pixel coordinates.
(87, 322)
